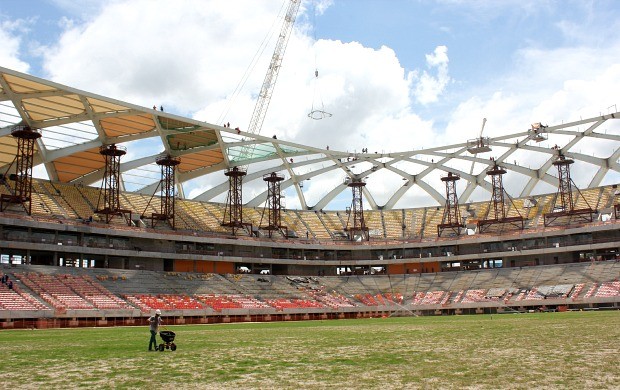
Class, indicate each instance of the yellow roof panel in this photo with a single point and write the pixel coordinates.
(125, 125)
(53, 107)
(100, 106)
(79, 164)
(193, 161)
(20, 85)
(8, 149)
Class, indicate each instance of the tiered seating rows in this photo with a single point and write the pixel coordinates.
(315, 225)
(472, 296)
(284, 303)
(234, 301)
(60, 200)
(164, 302)
(428, 298)
(15, 299)
(608, 289)
(68, 291)
(54, 291)
(71, 292)
(333, 300)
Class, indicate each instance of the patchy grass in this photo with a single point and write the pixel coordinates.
(517, 351)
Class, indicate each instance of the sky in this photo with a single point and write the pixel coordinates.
(394, 74)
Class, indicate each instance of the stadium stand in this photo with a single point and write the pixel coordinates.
(65, 202)
(314, 224)
(92, 291)
(15, 299)
(332, 222)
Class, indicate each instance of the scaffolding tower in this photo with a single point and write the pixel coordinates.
(110, 205)
(167, 186)
(233, 213)
(274, 206)
(497, 204)
(565, 208)
(451, 219)
(357, 229)
(22, 192)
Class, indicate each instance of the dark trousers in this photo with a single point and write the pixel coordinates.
(153, 340)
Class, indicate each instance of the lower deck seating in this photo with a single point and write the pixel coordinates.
(234, 301)
(333, 300)
(472, 296)
(54, 291)
(608, 289)
(148, 303)
(13, 298)
(69, 288)
(284, 303)
(428, 298)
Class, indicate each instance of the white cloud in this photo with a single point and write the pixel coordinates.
(84, 9)
(548, 86)
(190, 55)
(10, 41)
(183, 55)
(552, 86)
(428, 88)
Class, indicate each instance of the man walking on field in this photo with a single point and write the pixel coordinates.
(154, 322)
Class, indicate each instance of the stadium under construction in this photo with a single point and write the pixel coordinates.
(96, 231)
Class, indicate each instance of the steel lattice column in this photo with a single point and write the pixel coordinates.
(451, 214)
(168, 166)
(498, 203)
(565, 188)
(233, 214)
(357, 210)
(26, 138)
(110, 186)
(566, 207)
(497, 198)
(274, 206)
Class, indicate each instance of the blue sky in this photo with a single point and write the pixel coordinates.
(396, 74)
(484, 39)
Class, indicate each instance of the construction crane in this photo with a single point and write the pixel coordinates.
(233, 214)
(264, 97)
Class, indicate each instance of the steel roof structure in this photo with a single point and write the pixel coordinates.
(75, 123)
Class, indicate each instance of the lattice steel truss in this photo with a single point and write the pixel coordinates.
(109, 204)
(233, 213)
(22, 192)
(167, 185)
(274, 206)
(451, 219)
(565, 209)
(497, 205)
(357, 229)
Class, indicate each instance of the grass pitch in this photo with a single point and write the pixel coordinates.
(517, 351)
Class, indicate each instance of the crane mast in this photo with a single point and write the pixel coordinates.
(264, 97)
(233, 215)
